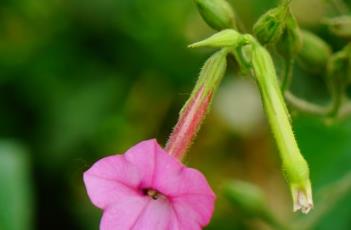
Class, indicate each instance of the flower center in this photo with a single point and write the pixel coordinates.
(154, 194)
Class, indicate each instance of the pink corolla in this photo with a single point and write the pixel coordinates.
(148, 189)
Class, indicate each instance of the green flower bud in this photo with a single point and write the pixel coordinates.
(224, 38)
(290, 42)
(217, 13)
(314, 53)
(269, 27)
(340, 26)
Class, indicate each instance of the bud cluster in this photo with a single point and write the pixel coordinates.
(278, 29)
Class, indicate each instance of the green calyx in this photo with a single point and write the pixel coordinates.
(233, 41)
(270, 26)
(224, 38)
(218, 14)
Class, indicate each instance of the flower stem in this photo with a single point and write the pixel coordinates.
(288, 74)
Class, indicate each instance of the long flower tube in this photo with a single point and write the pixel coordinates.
(196, 108)
(294, 165)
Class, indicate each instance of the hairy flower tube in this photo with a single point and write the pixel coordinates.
(294, 165)
(148, 189)
(195, 109)
(269, 27)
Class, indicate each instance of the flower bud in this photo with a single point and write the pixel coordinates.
(290, 42)
(224, 38)
(197, 106)
(314, 53)
(269, 27)
(340, 26)
(217, 13)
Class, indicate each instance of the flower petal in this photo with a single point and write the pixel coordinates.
(143, 157)
(115, 184)
(156, 216)
(111, 179)
(124, 214)
(187, 189)
(193, 211)
(184, 181)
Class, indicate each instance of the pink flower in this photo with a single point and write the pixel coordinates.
(148, 189)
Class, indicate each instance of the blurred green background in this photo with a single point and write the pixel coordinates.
(82, 79)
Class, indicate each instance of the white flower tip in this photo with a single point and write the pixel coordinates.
(302, 201)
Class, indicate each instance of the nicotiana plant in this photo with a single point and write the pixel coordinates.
(148, 187)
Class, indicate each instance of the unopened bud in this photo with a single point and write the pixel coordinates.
(340, 26)
(314, 54)
(217, 13)
(224, 38)
(269, 27)
(290, 42)
(197, 106)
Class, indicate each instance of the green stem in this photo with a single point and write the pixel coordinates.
(304, 106)
(337, 89)
(329, 110)
(288, 74)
